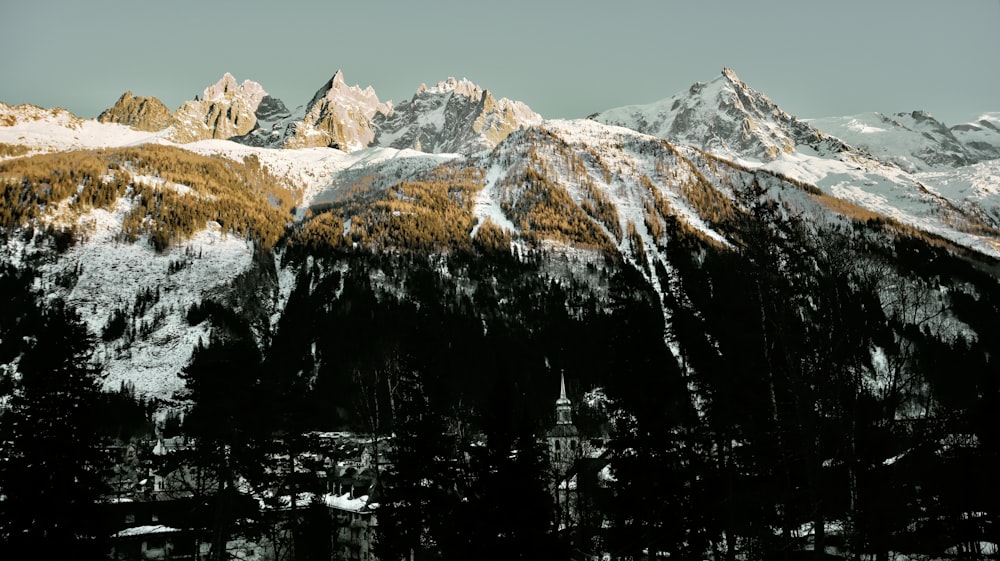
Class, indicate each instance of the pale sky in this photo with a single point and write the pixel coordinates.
(566, 59)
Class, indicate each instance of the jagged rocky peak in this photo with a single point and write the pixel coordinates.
(725, 116)
(455, 116)
(139, 112)
(748, 100)
(337, 89)
(225, 110)
(461, 87)
(338, 116)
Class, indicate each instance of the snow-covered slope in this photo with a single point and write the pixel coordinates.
(913, 141)
(453, 116)
(726, 117)
(376, 168)
(319, 173)
(624, 164)
(975, 188)
(14, 115)
(111, 277)
(50, 130)
(103, 277)
(981, 137)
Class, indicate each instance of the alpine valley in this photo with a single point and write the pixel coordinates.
(782, 331)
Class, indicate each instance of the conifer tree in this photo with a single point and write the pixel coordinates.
(222, 383)
(50, 475)
(508, 508)
(418, 498)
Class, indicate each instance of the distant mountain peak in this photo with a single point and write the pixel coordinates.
(336, 87)
(337, 116)
(452, 116)
(225, 110)
(139, 112)
(725, 116)
(462, 87)
(730, 75)
(227, 87)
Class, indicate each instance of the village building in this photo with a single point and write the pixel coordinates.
(355, 523)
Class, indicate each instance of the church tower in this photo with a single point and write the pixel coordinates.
(564, 438)
(564, 408)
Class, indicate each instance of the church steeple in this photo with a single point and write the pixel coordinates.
(564, 438)
(564, 407)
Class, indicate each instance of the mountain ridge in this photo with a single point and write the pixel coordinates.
(452, 116)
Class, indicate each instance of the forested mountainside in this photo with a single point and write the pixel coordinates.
(789, 353)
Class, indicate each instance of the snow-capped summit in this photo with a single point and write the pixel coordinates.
(724, 116)
(336, 88)
(227, 87)
(226, 109)
(452, 116)
(463, 87)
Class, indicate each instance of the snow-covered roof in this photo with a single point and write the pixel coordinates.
(145, 531)
(346, 502)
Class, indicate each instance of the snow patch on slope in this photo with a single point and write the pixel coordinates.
(912, 141)
(113, 273)
(62, 131)
(487, 205)
(890, 191)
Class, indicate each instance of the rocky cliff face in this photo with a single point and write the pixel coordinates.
(139, 112)
(453, 116)
(226, 109)
(273, 119)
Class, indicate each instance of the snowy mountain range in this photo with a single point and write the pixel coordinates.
(618, 187)
(454, 116)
